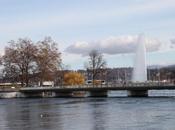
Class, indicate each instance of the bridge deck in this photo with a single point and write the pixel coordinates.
(97, 88)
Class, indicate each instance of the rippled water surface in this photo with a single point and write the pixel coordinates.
(88, 114)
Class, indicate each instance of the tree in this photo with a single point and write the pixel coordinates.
(19, 59)
(59, 74)
(48, 59)
(95, 64)
(73, 78)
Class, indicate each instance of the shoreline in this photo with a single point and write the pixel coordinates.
(113, 94)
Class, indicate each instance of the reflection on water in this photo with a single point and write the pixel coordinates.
(88, 114)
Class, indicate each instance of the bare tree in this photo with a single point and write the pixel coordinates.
(19, 59)
(95, 64)
(48, 59)
(59, 75)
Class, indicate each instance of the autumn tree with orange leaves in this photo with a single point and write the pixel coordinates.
(73, 78)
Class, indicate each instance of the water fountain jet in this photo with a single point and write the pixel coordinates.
(140, 68)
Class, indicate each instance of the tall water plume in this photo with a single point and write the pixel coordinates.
(140, 68)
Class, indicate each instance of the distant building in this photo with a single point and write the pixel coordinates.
(47, 84)
(110, 74)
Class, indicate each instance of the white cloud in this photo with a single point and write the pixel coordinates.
(173, 41)
(113, 45)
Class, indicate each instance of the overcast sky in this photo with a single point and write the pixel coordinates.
(111, 26)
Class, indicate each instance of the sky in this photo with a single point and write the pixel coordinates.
(78, 26)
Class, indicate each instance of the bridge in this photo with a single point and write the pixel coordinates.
(134, 90)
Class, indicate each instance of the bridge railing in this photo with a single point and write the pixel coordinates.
(129, 84)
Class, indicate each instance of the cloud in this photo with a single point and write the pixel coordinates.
(113, 45)
(172, 43)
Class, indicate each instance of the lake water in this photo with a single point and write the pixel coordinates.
(114, 113)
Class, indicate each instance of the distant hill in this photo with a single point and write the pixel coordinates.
(171, 67)
(155, 66)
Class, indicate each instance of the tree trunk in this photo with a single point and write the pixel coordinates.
(22, 78)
